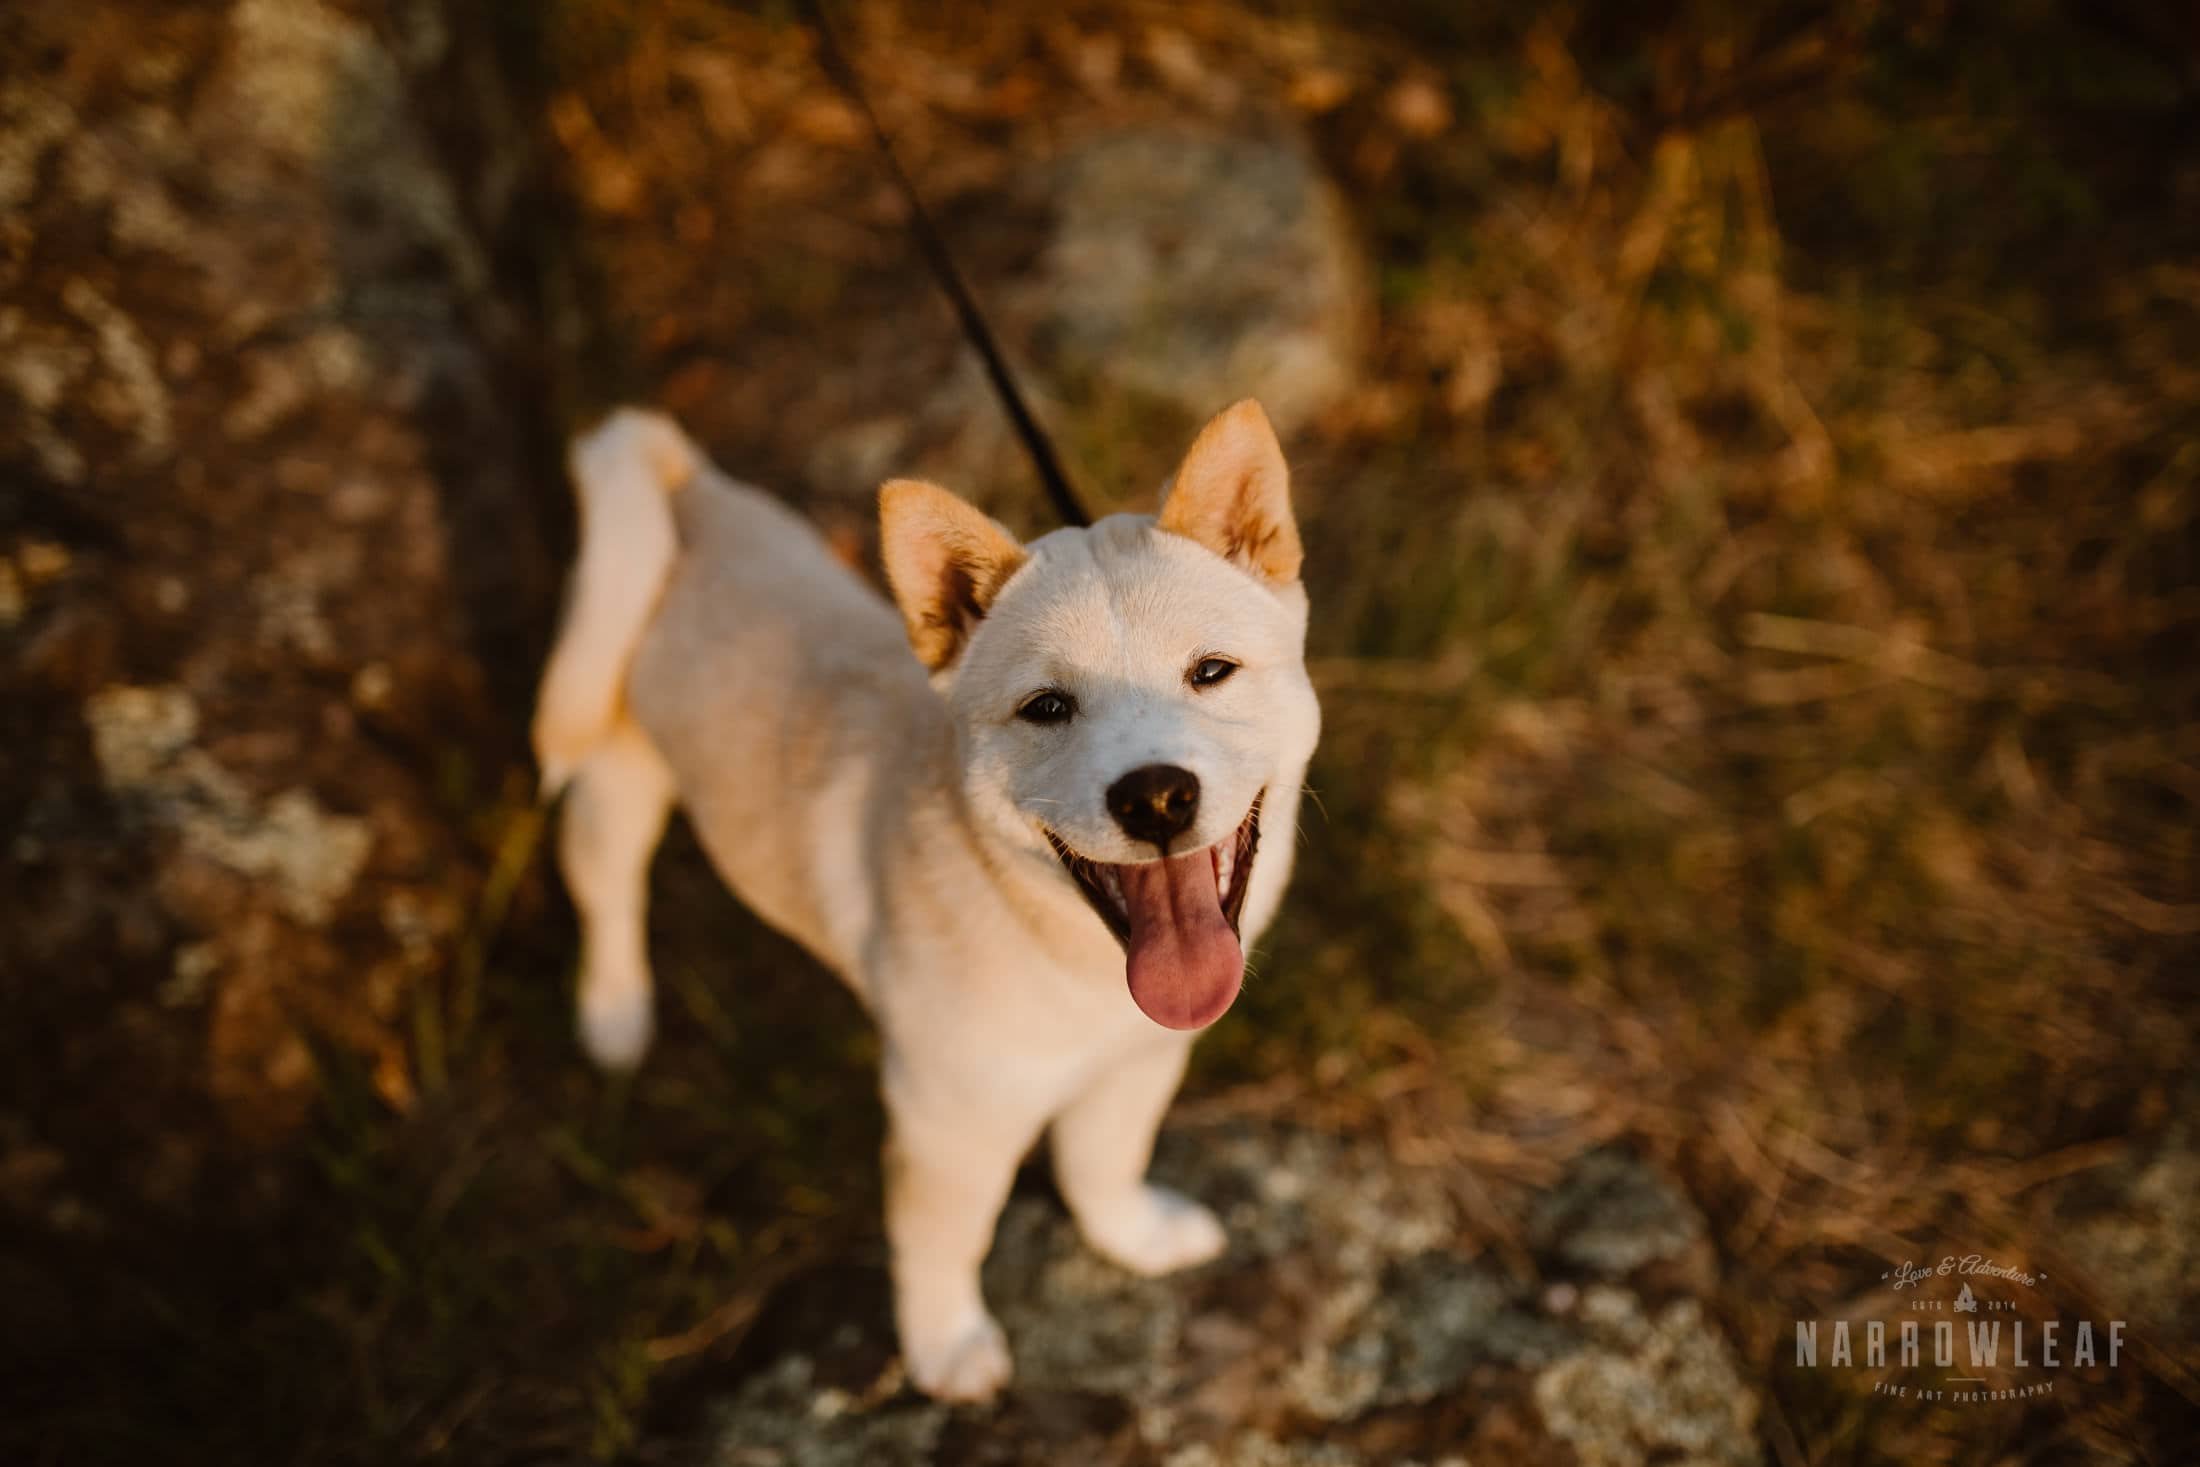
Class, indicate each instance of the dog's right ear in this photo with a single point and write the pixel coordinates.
(946, 562)
(1232, 494)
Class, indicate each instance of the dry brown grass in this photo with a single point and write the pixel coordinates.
(1756, 586)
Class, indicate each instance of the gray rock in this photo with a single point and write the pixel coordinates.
(1346, 1299)
(1183, 269)
(1449, 1315)
(2133, 1229)
(1663, 1389)
(1199, 268)
(781, 1418)
(270, 545)
(1613, 1214)
(141, 738)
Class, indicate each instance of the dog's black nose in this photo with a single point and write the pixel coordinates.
(1155, 803)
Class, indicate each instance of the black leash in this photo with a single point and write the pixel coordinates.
(951, 282)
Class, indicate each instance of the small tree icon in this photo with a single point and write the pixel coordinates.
(1965, 1304)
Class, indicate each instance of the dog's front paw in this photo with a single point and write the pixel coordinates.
(967, 1364)
(1161, 1232)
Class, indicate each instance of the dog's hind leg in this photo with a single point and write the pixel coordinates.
(1102, 1143)
(615, 808)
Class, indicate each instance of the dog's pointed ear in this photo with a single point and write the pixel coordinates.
(1232, 494)
(946, 562)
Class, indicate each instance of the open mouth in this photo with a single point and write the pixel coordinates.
(1177, 920)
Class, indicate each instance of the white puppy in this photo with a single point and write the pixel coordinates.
(1033, 849)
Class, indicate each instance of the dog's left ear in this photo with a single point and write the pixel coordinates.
(1232, 494)
(946, 562)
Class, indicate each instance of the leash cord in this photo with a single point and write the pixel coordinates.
(951, 282)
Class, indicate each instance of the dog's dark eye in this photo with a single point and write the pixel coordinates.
(1212, 670)
(1047, 707)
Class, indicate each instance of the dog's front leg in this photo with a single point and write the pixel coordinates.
(947, 1174)
(1102, 1144)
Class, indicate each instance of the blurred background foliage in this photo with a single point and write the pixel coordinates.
(1753, 543)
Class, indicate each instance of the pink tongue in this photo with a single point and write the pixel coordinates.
(1185, 962)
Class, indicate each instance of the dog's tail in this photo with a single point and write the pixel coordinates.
(623, 475)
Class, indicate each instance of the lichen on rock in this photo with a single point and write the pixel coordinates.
(782, 1419)
(1200, 267)
(1349, 1315)
(1613, 1215)
(1649, 1389)
(258, 414)
(141, 737)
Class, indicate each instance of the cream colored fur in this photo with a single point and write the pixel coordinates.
(887, 812)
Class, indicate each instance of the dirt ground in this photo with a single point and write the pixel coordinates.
(1748, 462)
